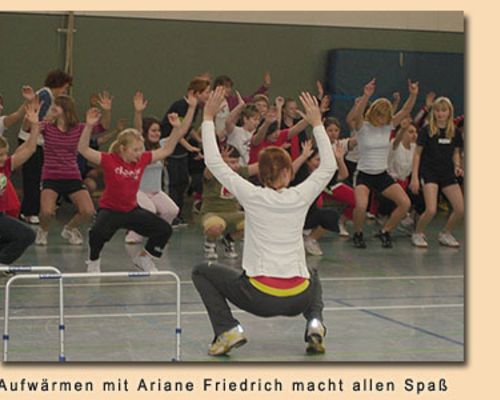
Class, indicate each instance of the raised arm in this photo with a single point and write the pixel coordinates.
(234, 114)
(105, 100)
(297, 128)
(213, 159)
(105, 137)
(178, 131)
(396, 99)
(317, 181)
(307, 150)
(94, 156)
(29, 96)
(26, 150)
(339, 152)
(260, 135)
(360, 106)
(408, 105)
(140, 104)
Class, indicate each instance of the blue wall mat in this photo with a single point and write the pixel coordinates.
(348, 71)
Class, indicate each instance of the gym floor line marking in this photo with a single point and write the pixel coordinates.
(404, 324)
(187, 313)
(156, 283)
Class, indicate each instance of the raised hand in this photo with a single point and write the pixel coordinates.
(174, 120)
(396, 97)
(311, 107)
(338, 150)
(225, 152)
(324, 105)
(214, 103)
(28, 93)
(105, 100)
(267, 79)
(279, 101)
(412, 87)
(429, 99)
(140, 103)
(93, 116)
(321, 91)
(369, 88)
(191, 99)
(31, 109)
(307, 148)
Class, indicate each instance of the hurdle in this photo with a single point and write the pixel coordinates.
(62, 276)
(29, 268)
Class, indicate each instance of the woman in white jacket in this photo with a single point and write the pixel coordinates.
(275, 278)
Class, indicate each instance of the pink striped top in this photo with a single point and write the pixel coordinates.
(60, 152)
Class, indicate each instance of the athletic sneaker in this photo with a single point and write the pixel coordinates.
(133, 238)
(418, 240)
(447, 239)
(312, 246)
(145, 263)
(179, 222)
(210, 249)
(342, 230)
(41, 237)
(385, 238)
(359, 240)
(93, 266)
(30, 219)
(73, 236)
(229, 247)
(369, 215)
(226, 341)
(315, 334)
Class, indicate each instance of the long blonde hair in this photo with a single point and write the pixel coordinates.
(382, 107)
(450, 126)
(125, 138)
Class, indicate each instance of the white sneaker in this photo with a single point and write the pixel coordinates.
(73, 236)
(312, 246)
(418, 240)
(447, 239)
(41, 237)
(369, 215)
(210, 249)
(31, 219)
(315, 335)
(93, 266)
(342, 230)
(133, 238)
(145, 263)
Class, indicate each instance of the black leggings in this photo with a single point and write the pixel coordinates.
(144, 222)
(32, 172)
(15, 238)
(327, 218)
(217, 284)
(178, 180)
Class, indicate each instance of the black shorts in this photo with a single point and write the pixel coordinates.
(443, 179)
(64, 186)
(378, 182)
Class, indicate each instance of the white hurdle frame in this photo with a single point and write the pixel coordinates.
(62, 276)
(28, 268)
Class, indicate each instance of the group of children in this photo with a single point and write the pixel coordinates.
(255, 172)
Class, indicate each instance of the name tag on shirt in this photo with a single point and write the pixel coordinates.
(444, 141)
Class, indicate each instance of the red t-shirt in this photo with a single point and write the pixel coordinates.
(255, 150)
(122, 180)
(4, 180)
